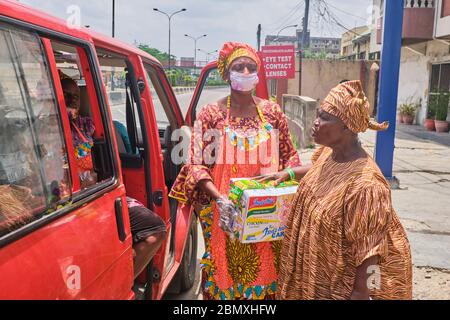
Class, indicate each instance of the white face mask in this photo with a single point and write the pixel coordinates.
(243, 82)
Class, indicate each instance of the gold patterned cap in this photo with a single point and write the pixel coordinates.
(348, 102)
(233, 50)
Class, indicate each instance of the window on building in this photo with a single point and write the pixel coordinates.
(440, 77)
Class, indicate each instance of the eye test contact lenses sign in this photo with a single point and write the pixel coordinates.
(279, 62)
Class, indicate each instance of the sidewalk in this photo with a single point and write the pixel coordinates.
(422, 164)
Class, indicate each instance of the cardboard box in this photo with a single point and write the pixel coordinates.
(263, 209)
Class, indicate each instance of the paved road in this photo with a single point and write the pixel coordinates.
(210, 95)
(207, 96)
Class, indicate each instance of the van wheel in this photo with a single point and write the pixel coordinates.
(188, 267)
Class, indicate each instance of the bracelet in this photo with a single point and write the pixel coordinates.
(291, 173)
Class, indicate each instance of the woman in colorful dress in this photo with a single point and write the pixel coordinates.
(82, 129)
(344, 239)
(251, 138)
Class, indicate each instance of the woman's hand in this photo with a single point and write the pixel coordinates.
(228, 214)
(278, 177)
(358, 295)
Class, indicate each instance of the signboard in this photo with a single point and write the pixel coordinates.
(279, 61)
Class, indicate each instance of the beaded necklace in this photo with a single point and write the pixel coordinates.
(244, 140)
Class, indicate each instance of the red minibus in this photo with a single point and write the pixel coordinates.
(59, 240)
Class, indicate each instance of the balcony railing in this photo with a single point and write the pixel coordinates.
(418, 21)
(419, 3)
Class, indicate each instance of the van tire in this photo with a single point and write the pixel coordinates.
(188, 267)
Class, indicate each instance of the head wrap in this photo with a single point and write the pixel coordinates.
(233, 50)
(348, 102)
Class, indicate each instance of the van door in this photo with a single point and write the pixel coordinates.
(164, 109)
(58, 239)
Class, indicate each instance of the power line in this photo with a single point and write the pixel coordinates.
(289, 17)
(332, 18)
(293, 11)
(343, 11)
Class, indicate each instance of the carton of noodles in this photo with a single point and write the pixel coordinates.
(263, 209)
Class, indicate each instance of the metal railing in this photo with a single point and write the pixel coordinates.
(420, 3)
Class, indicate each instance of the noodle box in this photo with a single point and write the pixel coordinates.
(263, 209)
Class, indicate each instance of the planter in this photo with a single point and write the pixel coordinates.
(441, 126)
(408, 119)
(429, 124)
(401, 118)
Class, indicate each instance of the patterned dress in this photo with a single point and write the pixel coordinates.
(342, 215)
(232, 270)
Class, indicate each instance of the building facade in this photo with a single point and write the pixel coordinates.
(328, 47)
(425, 53)
(355, 44)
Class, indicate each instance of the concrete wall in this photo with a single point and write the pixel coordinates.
(320, 76)
(415, 73)
(414, 81)
(301, 113)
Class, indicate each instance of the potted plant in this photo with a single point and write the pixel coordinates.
(431, 113)
(400, 115)
(441, 112)
(408, 111)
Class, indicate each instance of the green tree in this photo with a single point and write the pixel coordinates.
(159, 55)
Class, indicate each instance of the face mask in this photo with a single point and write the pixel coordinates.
(243, 82)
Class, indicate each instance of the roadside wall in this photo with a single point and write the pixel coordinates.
(301, 113)
(320, 76)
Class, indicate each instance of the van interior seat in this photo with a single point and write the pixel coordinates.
(85, 104)
(120, 143)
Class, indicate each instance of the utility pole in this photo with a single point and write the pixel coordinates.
(305, 25)
(169, 16)
(303, 45)
(195, 39)
(113, 87)
(113, 18)
(388, 94)
(258, 37)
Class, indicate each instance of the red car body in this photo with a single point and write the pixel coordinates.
(83, 250)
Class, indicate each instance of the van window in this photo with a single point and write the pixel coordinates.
(82, 105)
(163, 109)
(166, 121)
(122, 103)
(164, 113)
(34, 172)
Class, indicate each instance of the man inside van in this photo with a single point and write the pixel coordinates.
(147, 228)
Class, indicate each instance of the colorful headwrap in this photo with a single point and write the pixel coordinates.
(348, 102)
(233, 50)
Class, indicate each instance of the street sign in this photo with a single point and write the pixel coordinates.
(279, 61)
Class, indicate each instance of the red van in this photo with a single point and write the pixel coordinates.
(59, 240)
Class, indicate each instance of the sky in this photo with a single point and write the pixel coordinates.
(221, 20)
